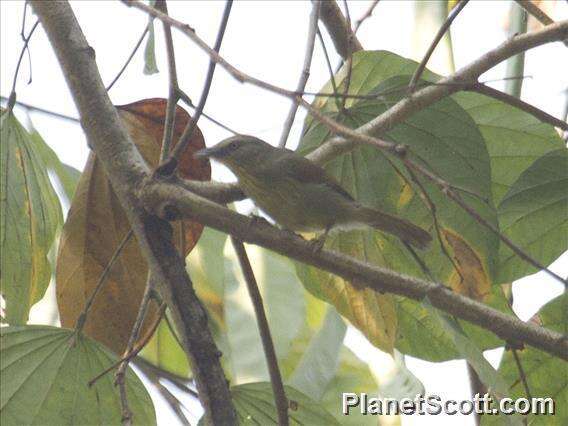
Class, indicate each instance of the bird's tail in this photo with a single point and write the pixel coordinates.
(402, 228)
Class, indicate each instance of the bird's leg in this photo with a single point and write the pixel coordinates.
(256, 220)
(318, 242)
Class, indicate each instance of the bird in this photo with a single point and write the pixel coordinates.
(301, 196)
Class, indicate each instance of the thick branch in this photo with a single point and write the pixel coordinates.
(344, 39)
(172, 202)
(399, 112)
(445, 87)
(349, 138)
(126, 169)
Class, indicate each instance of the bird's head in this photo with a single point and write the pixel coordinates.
(237, 151)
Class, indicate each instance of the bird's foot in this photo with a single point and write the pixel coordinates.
(255, 220)
(317, 243)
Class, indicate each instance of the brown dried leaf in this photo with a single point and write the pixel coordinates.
(97, 224)
(472, 280)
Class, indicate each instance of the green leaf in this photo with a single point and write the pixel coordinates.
(30, 215)
(421, 335)
(45, 380)
(67, 176)
(283, 302)
(320, 347)
(546, 375)
(469, 351)
(514, 138)
(352, 375)
(320, 359)
(254, 403)
(150, 66)
(534, 215)
(446, 138)
(164, 351)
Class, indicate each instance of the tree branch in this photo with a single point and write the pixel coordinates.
(445, 27)
(126, 170)
(365, 16)
(129, 59)
(445, 87)
(460, 80)
(173, 88)
(170, 164)
(173, 202)
(312, 30)
(344, 39)
(518, 103)
(535, 11)
(280, 399)
(350, 138)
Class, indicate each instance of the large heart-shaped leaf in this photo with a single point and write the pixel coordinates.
(30, 215)
(45, 373)
(443, 137)
(96, 226)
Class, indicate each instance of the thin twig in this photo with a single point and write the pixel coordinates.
(349, 138)
(12, 97)
(171, 163)
(158, 194)
(120, 376)
(269, 352)
(405, 107)
(173, 88)
(129, 59)
(102, 279)
(432, 207)
(402, 152)
(445, 26)
(350, 38)
(136, 350)
(535, 11)
(518, 103)
(443, 185)
(23, 36)
(312, 30)
(42, 110)
(182, 383)
(522, 374)
(183, 97)
(365, 16)
(335, 94)
(127, 171)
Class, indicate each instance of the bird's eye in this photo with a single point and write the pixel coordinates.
(233, 146)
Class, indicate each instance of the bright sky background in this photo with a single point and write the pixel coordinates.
(267, 40)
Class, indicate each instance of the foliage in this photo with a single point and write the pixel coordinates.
(45, 371)
(30, 218)
(511, 168)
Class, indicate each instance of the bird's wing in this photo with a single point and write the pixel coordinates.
(295, 166)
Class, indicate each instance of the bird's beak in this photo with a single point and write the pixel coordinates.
(205, 153)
